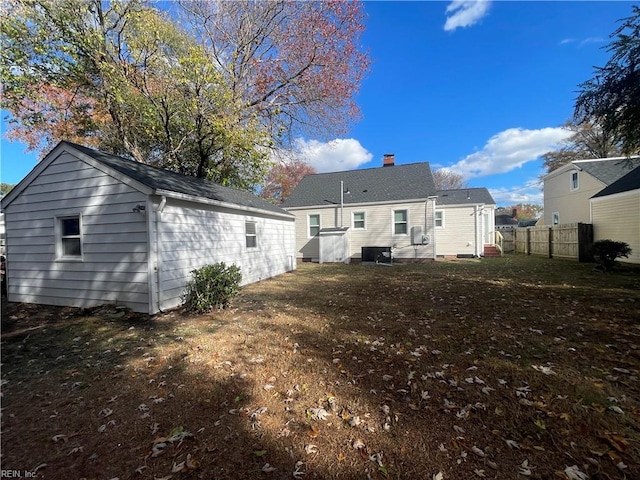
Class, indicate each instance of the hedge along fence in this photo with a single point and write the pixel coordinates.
(570, 241)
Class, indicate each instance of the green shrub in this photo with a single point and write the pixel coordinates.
(606, 252)
(212, 286)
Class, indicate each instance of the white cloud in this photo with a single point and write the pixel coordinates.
(465, 13)
(335, 156)
(590, 40)
(530, 192)
(581, 43)
(508, 150)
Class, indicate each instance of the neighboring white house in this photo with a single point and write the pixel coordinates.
(567, 190)
(615, 213)
(364, 214)
(85, 228)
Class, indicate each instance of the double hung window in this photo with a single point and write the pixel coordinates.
(400, 221)
(251, 234)
(314, 225)
(69, 237)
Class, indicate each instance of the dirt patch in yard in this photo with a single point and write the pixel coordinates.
(503, 368)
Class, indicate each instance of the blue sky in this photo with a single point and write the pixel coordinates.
(481, 88)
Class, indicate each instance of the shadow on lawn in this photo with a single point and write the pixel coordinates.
(108, 392)
(449, 333)
(89, 398)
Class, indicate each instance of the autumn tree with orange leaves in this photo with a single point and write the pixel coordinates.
(283, 177)
(208, 99)
(295, 65)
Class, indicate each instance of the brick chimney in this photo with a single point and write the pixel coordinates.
(388, 160)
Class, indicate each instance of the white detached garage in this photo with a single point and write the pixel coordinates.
(86, 228)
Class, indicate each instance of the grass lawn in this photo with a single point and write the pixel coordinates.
(503, 368)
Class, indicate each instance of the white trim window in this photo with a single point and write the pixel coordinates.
(359, 221)
(439, 219)
(556, 218)
(69, 237)
(251, 234)
(574, 180)
(313, 221)
(400, 222)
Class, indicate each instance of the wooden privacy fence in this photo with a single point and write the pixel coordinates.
(571, 241)
(508, 240)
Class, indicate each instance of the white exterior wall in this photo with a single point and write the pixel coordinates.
(378, 231)
(2, 235)
(114, 267)
(464, 230)
(617, 217)
(192, 235)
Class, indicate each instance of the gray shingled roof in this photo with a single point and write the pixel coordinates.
(160, 179)
(505, 219)
(605, 170)
(631, 181)
(371, 185)
(464, 196)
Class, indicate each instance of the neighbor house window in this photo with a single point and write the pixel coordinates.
(439, 218)
(251, 235)
(574, 180)
(399, 222)
(556, 218)
(314, 225)
(69, 237)
(358, 220)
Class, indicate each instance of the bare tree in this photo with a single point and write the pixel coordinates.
(589, 140)
(296, 66)
(447, 180)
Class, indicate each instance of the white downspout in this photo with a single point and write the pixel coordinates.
(341, 202)
(433, 223)
(479, 245)
(475, 230)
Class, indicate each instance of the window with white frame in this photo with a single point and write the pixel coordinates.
(359, 220)
(574, 180)
(314, 225)
(556, 218)
(69, 237)
(439, 220)
(251, 234)
(400, 221)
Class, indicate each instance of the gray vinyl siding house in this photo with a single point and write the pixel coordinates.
(86, 228)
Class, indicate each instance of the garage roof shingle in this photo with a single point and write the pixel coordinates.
(165, 180)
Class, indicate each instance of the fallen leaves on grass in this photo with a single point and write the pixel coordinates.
(574, 473)
(159, 445)
(428, 374)
(318, 413)
(526, 468)
(297, 472)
